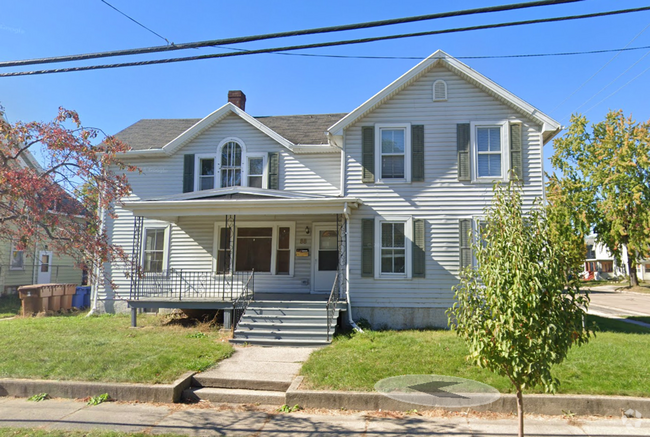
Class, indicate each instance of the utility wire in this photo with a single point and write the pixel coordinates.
(237, 40)
(420, 58)
(135, 21)
(325, 44)
(599, 70)
(610, 83)
(620, 88)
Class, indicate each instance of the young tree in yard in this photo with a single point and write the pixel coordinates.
(519, 310)
(60, 201)
(605, 173)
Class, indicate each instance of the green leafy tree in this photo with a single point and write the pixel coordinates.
(605, 174)
(520, 310)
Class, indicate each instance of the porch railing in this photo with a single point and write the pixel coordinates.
(177, 284)
(331, 306)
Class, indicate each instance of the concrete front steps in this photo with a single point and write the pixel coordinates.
(252, 375)
(284, 323)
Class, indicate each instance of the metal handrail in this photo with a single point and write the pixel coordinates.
(240, 304)
(331, 305)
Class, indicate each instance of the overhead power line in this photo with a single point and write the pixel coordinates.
(134, 20)
(244, 39)
(326, 44)
(599, 70)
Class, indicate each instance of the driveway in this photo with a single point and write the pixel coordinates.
(607, 302)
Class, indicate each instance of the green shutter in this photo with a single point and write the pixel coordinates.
(188, 173)
(419, 249)
(417, 153)
(516, 152)
(464, 228)
(274, 171)
(368, 247)
(368, 151)
(462, 147)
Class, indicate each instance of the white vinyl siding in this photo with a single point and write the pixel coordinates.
(441, 200)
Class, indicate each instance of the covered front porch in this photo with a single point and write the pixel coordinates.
(221, 249)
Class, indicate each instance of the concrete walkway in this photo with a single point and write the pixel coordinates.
(261, 364)
(209, 420)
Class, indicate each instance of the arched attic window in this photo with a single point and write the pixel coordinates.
(230, 163)
(439, 90)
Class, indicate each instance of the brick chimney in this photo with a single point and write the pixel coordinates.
(237, 98)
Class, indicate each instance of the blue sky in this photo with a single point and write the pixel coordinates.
(284, 85)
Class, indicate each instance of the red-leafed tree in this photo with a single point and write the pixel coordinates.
(61, 199)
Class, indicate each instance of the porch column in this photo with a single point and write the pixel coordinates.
(227, 319)
(138, 225)
(341, 231)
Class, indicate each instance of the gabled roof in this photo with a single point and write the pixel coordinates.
(550, 127)
(299, 133)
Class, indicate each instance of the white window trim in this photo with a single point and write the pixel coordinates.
(197, 173)
(11, 256)
(166, 244)
(407, 152)
(265, 171)
(505, 150)
(244, 161)
(433, 90)
(275, 241)
(408, 234)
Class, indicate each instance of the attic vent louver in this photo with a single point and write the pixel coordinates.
(439, 90)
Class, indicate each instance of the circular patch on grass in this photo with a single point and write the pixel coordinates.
(437, 391)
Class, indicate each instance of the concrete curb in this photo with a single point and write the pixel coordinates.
(507, 403)
(169, 393)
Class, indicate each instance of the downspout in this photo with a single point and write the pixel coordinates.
(346, 214)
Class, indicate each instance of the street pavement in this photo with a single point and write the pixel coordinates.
(208, 420)
(609, 303)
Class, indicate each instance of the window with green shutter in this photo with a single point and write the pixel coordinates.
(516, 152)
(367, 247)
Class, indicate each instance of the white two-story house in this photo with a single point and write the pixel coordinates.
(364, 214)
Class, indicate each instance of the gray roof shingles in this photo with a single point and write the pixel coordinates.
(299, 129)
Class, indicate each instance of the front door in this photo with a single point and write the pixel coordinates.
(44, 267)
(326, 257)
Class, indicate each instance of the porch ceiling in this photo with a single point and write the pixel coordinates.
(247, 206)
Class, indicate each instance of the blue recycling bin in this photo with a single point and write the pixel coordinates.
(81, 298)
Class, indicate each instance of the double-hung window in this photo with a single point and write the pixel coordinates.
(489, 151)
(153, 256)
(256, 171)
(393, 151)
(206, 173)
(393, 240)
(17, 261)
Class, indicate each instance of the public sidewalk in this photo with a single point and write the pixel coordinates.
(260, 422)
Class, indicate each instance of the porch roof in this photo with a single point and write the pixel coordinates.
(240, 200)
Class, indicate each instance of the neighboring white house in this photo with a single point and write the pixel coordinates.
(601, 264)
(380, 198)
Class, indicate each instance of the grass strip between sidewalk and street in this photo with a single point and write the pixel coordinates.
(615, 362)
(105, 348)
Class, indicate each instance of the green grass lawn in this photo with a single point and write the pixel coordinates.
(643, 319)
(9, 305)
(105, 348)
(616, 362)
